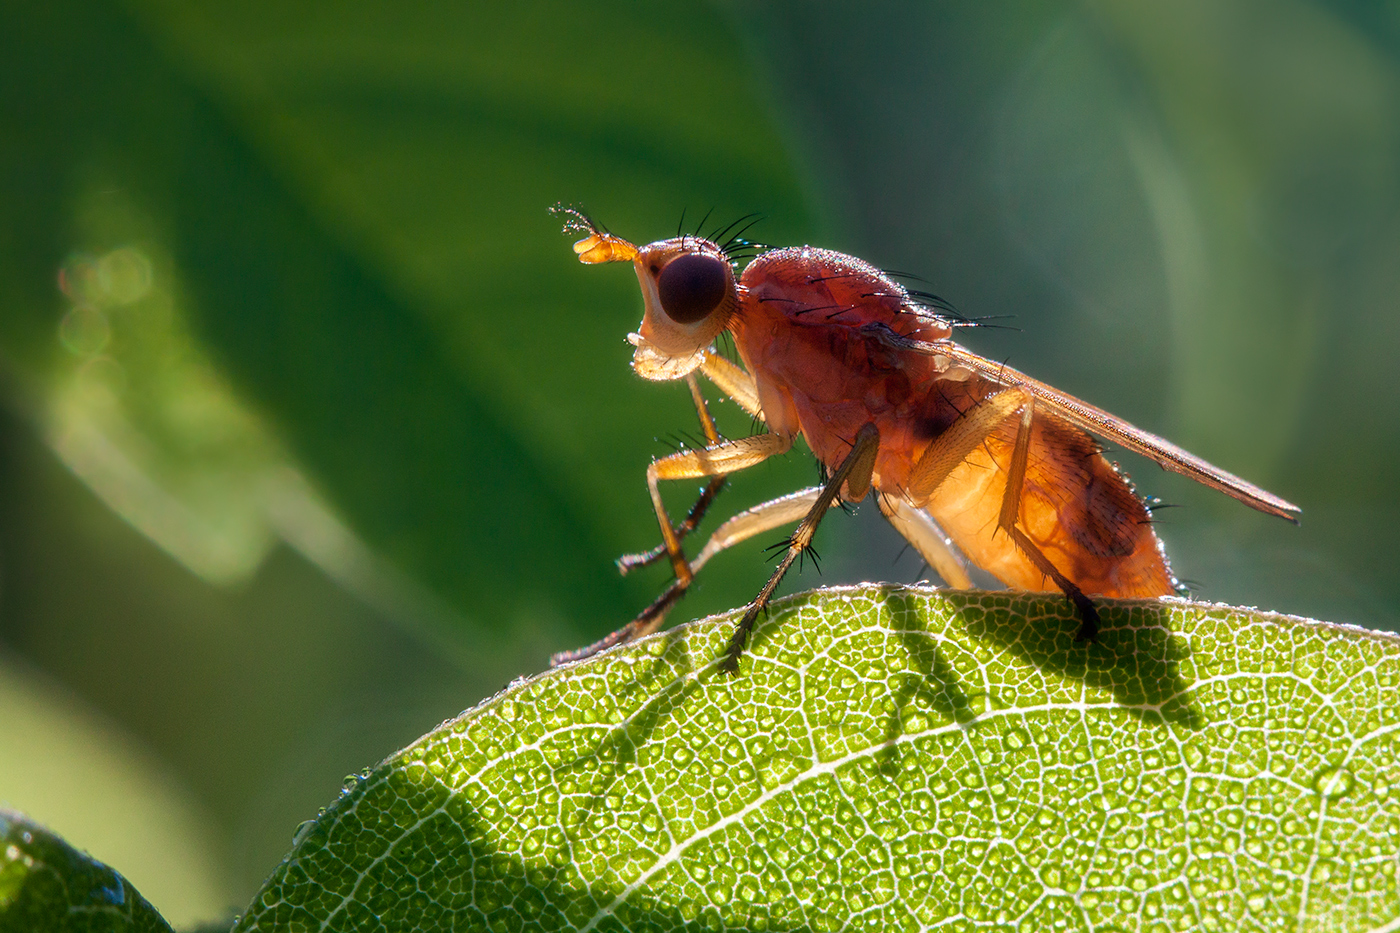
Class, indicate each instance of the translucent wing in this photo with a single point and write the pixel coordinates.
(1097, 421)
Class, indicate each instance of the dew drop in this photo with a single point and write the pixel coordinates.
(303, 830)
(1332, 783)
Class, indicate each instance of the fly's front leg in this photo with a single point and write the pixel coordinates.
(629, 562)
(721, 460)
(728, 457)
(733, 381)
(736, 383)
(854, 473)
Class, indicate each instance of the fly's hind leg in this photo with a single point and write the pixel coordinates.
(854, 473)
(949, 450)
(1010, 514)
(1088, 613)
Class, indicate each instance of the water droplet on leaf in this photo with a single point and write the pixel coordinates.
(1333, 782)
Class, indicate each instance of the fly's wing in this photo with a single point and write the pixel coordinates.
(1097, 421)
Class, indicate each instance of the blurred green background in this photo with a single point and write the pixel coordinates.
(315, 433)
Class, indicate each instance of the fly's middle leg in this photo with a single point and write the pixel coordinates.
(854, 473)
(765, 516)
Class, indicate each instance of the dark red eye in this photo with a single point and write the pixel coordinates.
(692, 286)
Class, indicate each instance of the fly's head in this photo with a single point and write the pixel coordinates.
(688, 287)
(690, 292)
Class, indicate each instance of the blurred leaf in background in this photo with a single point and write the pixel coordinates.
(316, 432)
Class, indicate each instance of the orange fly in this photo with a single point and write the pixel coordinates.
(969, 459)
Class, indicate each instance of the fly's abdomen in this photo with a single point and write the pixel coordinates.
(1075, 507)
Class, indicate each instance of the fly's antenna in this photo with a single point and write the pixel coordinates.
(575, 220)
(598, 245)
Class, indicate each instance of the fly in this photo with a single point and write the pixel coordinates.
(969, 459)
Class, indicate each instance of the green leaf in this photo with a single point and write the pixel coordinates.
(893, 758)
(47, 885)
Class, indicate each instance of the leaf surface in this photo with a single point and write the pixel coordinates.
(893, 758)
(47, 886)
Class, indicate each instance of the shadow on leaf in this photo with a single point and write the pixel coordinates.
(1136, 657)
(446, 872)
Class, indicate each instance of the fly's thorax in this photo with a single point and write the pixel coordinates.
(690, 295)
(812, 286)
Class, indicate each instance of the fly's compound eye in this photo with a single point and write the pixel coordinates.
(691, 287)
